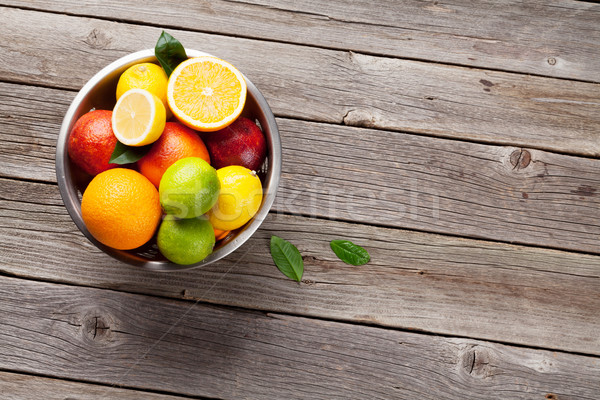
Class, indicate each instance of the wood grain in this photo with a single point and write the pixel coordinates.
(414, 281)
(481, 191)
(376, 177)
(553, 38)
(195, 349)
(326, 85)
(21, 387)
(116, 325)
(30, 119)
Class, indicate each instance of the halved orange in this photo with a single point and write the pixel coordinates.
(206, 93)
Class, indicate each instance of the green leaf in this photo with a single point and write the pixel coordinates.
(123, 154)
(287, 258)
(169, 52)
(350, 253)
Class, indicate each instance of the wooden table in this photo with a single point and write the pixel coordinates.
(457, 141)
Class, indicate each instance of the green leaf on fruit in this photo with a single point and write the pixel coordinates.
(287, 258)
(123, 154)
(169, 52)
(349, 252)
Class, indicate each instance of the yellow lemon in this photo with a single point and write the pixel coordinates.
(138, 118)
(147, 76)
(206, 93)
(239, 199)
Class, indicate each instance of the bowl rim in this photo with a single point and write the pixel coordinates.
(69, 192)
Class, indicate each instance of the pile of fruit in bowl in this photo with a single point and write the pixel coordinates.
(173, 161)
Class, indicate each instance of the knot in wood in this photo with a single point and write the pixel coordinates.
(520, 159)
(584, 190)
(475, 362)
(97, 327)
(309, 259)
(97, 39)
(362, 117)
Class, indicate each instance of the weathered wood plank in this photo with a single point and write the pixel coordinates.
(161, 344)
(553, 38)
(418, 281)
(376, 177)
(30, 119)
(329, 86)
(21, 387)
(392, 179)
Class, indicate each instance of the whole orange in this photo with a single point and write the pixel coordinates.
(92, 142)
(121, 208)
(176, 142)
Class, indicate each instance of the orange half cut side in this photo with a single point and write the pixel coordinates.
(206, 93)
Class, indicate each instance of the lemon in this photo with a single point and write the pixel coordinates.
(239, 199)
(147, 76)
(138, 118)
(185, 241)
(189, 188)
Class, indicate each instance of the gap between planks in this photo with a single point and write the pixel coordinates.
(18, 385)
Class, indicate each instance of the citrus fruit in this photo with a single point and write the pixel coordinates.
(240, 143)
(189, 188)
(148, 76)
(138, 118)
(176, 142)
(185, 241)
(239, 199)
(219, 234)
(92, 142)
(206, 93)
(120, 208)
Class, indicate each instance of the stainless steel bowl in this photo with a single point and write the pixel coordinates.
(99, 93)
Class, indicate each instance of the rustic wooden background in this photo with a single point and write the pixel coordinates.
(457, 141)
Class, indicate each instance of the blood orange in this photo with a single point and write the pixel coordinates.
(176, 142)
(92, 142)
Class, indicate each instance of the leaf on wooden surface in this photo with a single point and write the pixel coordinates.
(349, 252)
(169, 52)
(287, 258)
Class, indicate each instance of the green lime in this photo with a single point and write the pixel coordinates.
(189, 188)
(185, 241)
